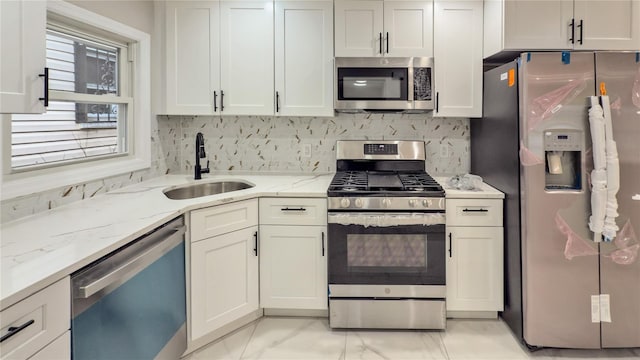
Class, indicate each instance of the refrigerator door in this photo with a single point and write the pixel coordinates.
(620, 266)
(559, 260)
(494, 156)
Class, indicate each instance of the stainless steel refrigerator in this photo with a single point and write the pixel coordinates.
(564, 287)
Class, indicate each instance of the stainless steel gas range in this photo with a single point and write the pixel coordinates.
(386, 226)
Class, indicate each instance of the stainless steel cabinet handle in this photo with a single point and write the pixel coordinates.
(293, 209)
(46, 87)
(15, 329)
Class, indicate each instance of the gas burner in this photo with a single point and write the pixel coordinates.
(350, 188)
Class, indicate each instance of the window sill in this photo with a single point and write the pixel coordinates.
(17, 185)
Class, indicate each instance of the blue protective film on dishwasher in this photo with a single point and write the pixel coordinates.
(137, 319)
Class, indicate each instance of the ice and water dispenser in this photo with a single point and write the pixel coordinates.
(563, 159)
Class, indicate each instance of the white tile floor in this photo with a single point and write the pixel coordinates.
(274, 338)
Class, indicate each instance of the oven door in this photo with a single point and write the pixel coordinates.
(386, 248)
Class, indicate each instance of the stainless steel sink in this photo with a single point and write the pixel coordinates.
(205, 189)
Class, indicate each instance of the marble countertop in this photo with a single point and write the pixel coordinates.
(485, 192)
(38, 250)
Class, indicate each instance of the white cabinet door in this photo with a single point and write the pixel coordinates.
(192, 57)
(304, 58)
(458, 58)
(607, 25)
(59, 349)
(293, 267)
(23, 54)
(475, 269)
(246, 58)
(224, 280)
(359, 28)
(408, 28)
(530, 24)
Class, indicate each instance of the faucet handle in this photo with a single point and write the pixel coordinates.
(205, 170)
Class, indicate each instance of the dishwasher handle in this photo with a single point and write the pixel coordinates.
(123, 265)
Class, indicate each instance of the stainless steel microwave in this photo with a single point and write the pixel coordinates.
(403, 84)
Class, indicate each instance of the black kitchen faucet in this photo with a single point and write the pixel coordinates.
(200, 154)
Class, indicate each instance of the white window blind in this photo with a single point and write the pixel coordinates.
(87, 112)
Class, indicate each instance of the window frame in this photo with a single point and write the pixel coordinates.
(138, 156)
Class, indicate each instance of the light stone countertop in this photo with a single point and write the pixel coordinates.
(485, 192)
(40, 249)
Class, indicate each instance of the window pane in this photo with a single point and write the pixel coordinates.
(58, 135)
(81, 66)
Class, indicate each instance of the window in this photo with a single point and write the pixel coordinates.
(87, 112)
(97, 123)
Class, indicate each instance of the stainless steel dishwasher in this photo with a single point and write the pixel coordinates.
(131, 303)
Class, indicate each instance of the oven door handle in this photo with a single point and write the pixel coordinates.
(386, 219)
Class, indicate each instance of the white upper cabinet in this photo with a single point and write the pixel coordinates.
(22, 50)
(561, 24)
(241, 57)
(192, 57)
(607, 25)
(304, 58)
(219, 57)
(246, 57)
(383, 28)
(458, 58)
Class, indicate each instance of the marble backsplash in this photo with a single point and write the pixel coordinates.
(276, 144)
(265, 144)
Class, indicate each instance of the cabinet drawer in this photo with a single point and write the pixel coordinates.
(44, 316)
(293, 211)
(222, 219)
(474, 212)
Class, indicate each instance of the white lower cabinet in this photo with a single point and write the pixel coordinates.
(293, 253)
(37, 323)
(474, 269)
(223, 266)
(475, 281)
(59, 349)
(224, 280)
(293, 267)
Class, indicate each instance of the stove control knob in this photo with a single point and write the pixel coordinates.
(413, 202)
(426, 203)
(359, 203)
(345, 203)
(386, 203)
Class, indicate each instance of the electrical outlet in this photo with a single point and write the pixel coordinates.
(444, 151)
(306, 150)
